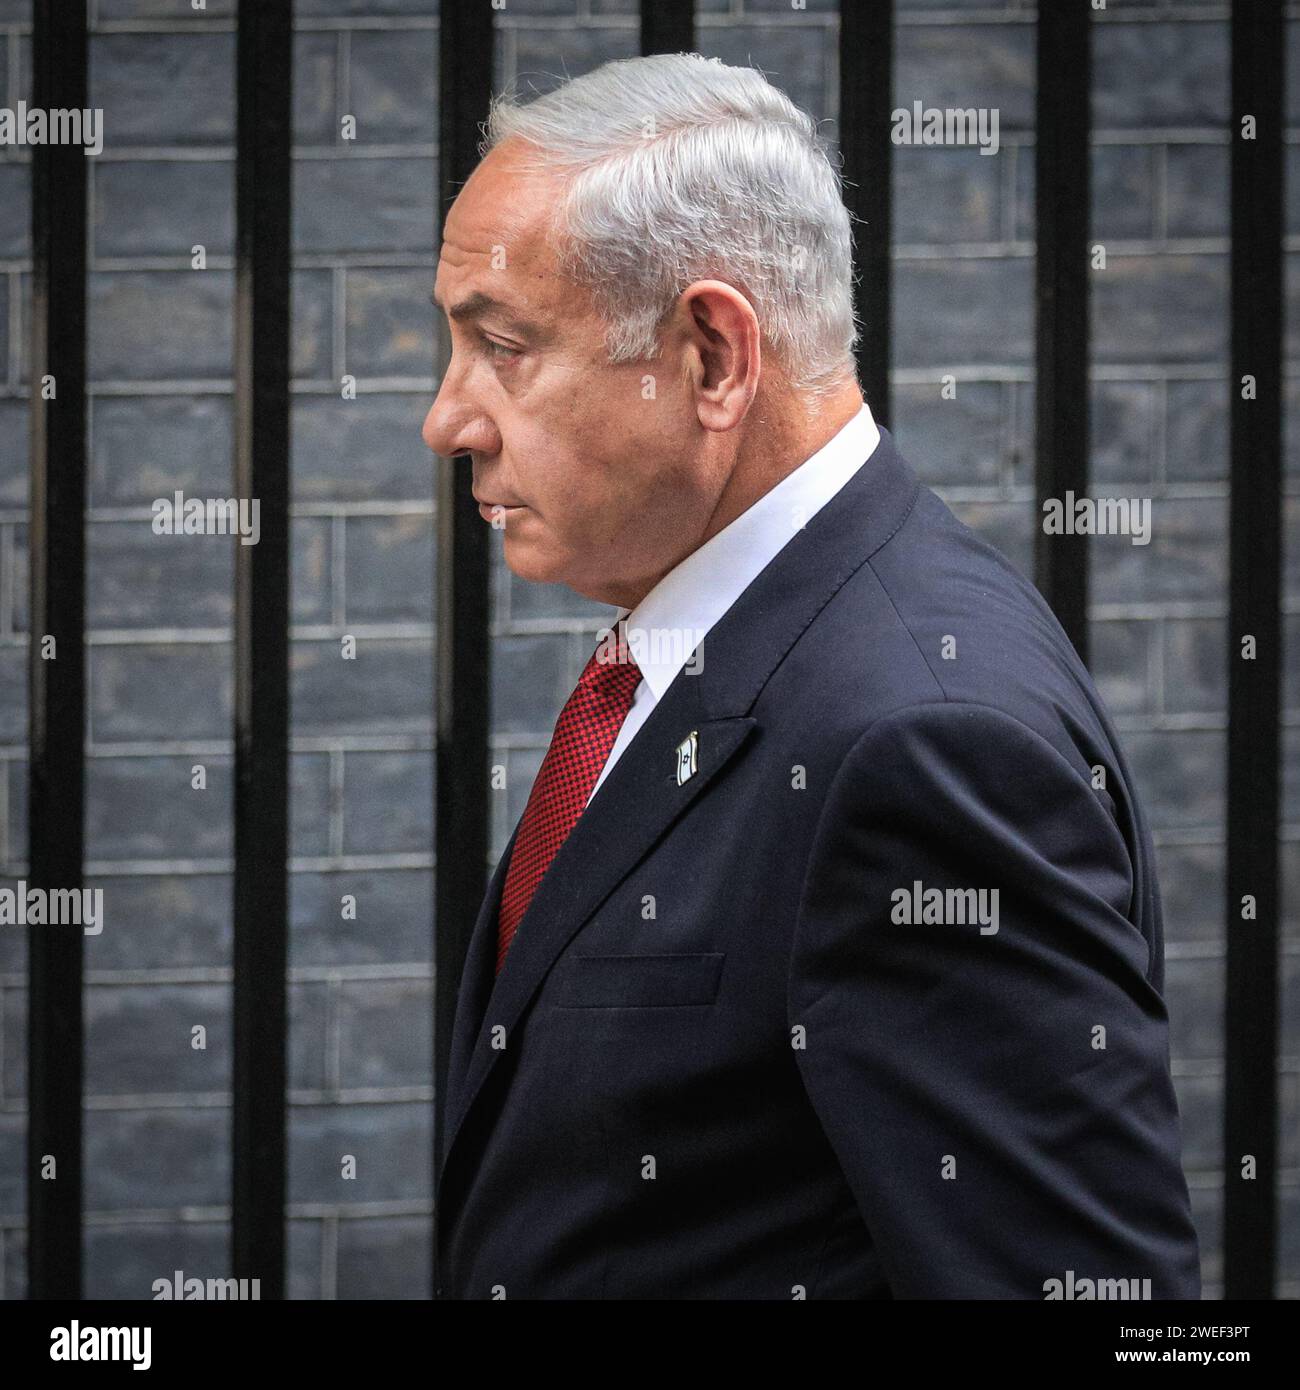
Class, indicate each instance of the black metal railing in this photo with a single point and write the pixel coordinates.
(866, 100)
(1062, 161)
(57, 657)
(1254, 616)
(461, 786)
(263, 136)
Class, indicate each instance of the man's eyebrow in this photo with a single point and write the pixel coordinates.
(475, 305)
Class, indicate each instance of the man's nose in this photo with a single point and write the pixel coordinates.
(456, 425)
(439, 430)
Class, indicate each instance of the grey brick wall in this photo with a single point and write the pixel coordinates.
(160, 609)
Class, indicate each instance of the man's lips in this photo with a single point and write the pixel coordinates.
(488, 510)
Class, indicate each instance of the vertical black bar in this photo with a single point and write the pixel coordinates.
(1062, 180)
(667, 26)
(461, 739)
(57, 677)
(866, 100)
(262, 257)
(1254, 608)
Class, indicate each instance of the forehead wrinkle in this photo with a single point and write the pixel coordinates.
(520, 245)
(493, 210)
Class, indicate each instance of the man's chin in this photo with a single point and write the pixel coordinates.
(526, 561)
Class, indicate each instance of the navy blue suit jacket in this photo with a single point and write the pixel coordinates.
(720, 1061)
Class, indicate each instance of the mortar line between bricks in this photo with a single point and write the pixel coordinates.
(9, 580)
(298, 864)
(297, 511)
(1159, 169)
(507, 45)
(352, 743)
(222, 386)
(1203, 950)
(14, 329)
(1206, 950)
(338, 569)
(336, 803)
(297, 1098)
(329, 1258)
(193, 1214)
(830, 73)
(143, 265)
(1158, 439)
(342, 79)
(302, 24)
(223, 152)
(301, 743)
(302, 260)
(1008, 201)
(1156, 665)
(206, 637)
(333, 1058)
(327, 633)
(338, 330)
(398, 972)
(1289, 833)
(1008, 420)
(13, 66)
(1175, 722)
(348, 150)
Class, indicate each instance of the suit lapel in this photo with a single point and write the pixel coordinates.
(639, 800)
(641, 797)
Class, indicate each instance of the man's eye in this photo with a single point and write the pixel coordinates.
(500, 349)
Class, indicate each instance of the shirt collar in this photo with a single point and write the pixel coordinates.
(666, 627)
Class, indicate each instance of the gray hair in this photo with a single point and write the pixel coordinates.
(678, 168)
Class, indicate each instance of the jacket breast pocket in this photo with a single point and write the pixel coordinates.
(638, 981)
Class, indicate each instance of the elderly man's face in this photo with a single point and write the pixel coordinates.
(603, 489)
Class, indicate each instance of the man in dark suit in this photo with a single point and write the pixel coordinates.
(826, 960)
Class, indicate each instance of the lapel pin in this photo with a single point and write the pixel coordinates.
(688, 756)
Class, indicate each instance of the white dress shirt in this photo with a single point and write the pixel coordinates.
(664, 629)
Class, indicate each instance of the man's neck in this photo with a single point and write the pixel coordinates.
(784, 445)
(788, 439)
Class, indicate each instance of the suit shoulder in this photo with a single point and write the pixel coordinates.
(939, 615)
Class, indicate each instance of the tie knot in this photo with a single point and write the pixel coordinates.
(611, 672)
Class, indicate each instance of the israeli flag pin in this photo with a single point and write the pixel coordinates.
(688, 756)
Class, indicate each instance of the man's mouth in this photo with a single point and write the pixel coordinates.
(490, 510)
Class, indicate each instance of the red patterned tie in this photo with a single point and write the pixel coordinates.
(584, 734)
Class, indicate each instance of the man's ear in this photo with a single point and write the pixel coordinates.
(724, 354)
